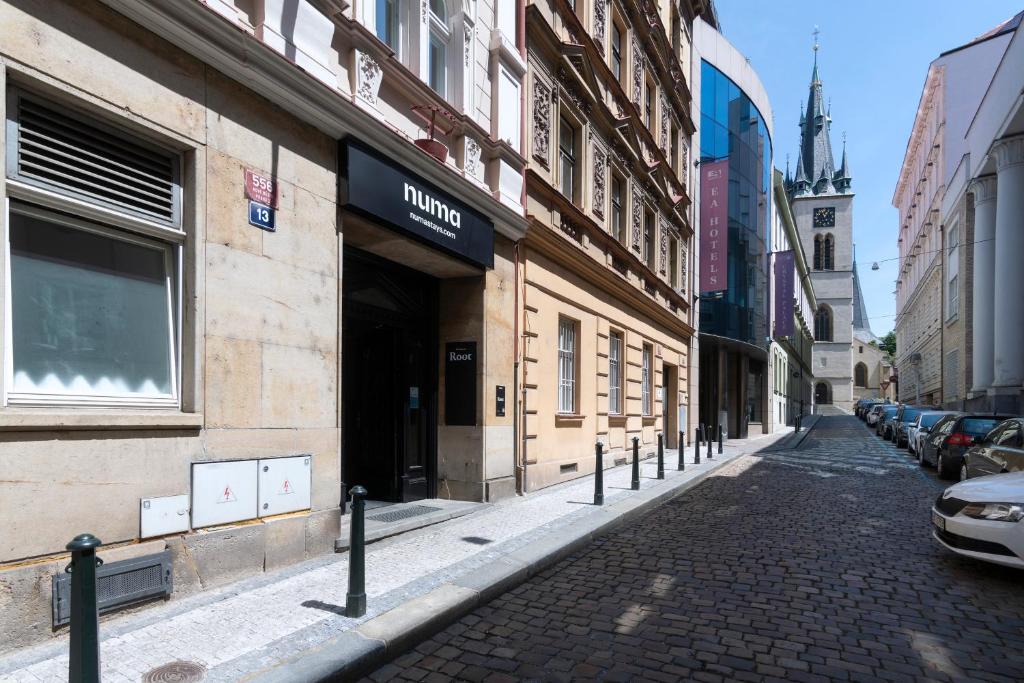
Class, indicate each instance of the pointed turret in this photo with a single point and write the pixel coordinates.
(842, 179)
(823, 185)
(801, 183)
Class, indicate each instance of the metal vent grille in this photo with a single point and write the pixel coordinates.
(404, 513)
(118, 584)
(94, 163)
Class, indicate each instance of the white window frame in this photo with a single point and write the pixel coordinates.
(646, 361)
(41, 204)
(439, 29)
(615, 346)
(566, 366)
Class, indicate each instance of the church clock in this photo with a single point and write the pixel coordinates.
(825, 217)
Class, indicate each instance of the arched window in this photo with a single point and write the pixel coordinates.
(438, 51)
(860, 375)
(823, 324)
(829, 253)
(817, 252)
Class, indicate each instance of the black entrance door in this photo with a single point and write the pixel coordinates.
(821, 396)
(389, 378)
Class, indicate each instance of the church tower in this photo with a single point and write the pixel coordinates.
(822, 203)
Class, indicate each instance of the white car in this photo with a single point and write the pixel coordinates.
(981, 518)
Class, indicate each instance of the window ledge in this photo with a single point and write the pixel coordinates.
(569, 419)
(35, 420)
(617, 419)
(649, 419)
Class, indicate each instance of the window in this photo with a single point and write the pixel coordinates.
(683, 261)
(567, 158)
(616, 51)
(673, 262)
(823, 324)
(648, 246)
(860, 349)
(615, 217)
(615, 373)
(673, 156)
(649, 105)
(566, 366)
(953, 299)
(645, 380)
(437, 53)
(860, 375)
(824, 252)
(387, 22)
(94, 310)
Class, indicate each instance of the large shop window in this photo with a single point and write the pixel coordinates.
(94, 309)
(566, 366)
(615, 373)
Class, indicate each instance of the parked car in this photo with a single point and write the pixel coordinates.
(865, 405)
(921, 427)
(884, 421)
(999, 451)
(928, 448)
(981, 518)
(874, 413)
(959, 438)
(901, 423)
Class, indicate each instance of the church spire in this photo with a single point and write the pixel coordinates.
(815, 157)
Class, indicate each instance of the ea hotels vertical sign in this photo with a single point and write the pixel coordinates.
(714, 223)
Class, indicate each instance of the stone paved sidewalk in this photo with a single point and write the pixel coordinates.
(251, 626)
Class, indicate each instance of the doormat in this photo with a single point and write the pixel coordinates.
(404, 513)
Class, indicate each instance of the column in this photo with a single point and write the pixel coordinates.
(983, 284)
(1008, 366)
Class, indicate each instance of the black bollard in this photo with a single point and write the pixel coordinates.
(702, 433)
(796, 424)
(696, 449)
(599, 474)
(709, 446)
(661, 456)
(682, 451)
(355, 601)
(84, 664)
(635, 484)
(720, 430)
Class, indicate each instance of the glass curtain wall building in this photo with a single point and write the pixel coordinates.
(734, 321)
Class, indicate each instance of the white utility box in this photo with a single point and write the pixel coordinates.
(284, 485)
(223, 492)
(164, 515)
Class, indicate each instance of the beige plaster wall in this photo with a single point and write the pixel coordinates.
(553, 441)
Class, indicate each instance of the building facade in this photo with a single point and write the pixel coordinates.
(992, 170)
(792, 370)
(872, 369)
(960, 78)
(259, 252)
(735, 129)
(606, 321)
(822, 203)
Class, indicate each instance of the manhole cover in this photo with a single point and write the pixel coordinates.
(175, 672)
(404, 513)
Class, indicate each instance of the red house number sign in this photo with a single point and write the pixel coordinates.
(260, 188)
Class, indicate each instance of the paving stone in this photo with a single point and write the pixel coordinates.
(812, 565)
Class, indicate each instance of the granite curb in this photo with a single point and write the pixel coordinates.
(374, 642)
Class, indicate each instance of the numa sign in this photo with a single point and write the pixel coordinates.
(387, 193)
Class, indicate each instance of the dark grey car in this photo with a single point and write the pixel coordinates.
(962, 433)
(904, 418)
(884, 420)
(1001, 450)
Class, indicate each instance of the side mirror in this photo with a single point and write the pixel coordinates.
(923, 430)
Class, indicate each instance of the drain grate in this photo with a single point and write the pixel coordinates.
(175, 672)
(404, 513)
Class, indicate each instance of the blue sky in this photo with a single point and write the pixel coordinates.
(873, 60)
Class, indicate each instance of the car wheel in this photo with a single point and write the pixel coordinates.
(920, 458)
(942, 469)
(963, 472)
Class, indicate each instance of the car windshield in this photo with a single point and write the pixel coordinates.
(889, 411)
(910, 414)
(978, 426)
(929, 420)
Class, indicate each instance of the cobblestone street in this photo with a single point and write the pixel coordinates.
(807, 565)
